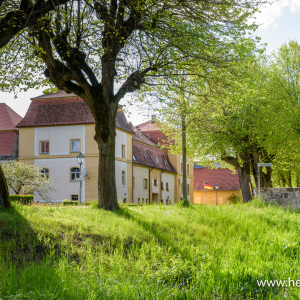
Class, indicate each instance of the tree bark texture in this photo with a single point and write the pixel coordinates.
(4, 194)
(105, 128)
(243, 173)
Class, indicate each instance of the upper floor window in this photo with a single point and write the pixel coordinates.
(155, 182)
(44, 147)
(167, 186)
(145, 183)
(181, 167)
(188, 169)
(162, 185)
(75, 146)
(75, 174)
(123, 150)
(123, 177)
(45, 172)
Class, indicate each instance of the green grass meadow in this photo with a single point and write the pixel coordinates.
(148, 252)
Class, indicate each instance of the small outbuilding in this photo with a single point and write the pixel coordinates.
(227, 181)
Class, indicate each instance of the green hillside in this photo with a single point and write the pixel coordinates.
(149, 252)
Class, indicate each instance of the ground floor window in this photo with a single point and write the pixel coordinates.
(74, 197)
(75, 173)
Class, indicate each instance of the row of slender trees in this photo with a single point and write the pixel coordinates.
(242, 115)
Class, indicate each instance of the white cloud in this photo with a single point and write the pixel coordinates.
(271, 12)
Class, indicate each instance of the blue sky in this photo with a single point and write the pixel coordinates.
(279, 23)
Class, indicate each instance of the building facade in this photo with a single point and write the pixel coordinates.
(57, 127)
(9, 133)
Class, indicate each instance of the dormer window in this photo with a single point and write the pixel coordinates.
(152, 159)
(133, 157)
(157, 160)
(145, 158)
(165, 163)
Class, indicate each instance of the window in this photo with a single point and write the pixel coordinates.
(45, 172)
(75, 174)
(75, 146)
(145, 158)
(188, 189)
(44, 147)
(167, 186)
(165, 163)
(133, 182)
(123, 177)
(123, 150)
(162, 185)
(152, 160)
(179, 182)
(181, 167)
(157, 160)
(188, 169)
(146, 200)
(142, 201)
(133, 157)
(139, 199)
(155, 182)
(145, 183)
(74, 197)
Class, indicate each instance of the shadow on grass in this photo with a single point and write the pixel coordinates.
(151, 227)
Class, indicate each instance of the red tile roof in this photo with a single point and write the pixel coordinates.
(145, 139)
(225, 178)
(58, 94)
(143, 154)
(8, 118)
(6, 143)
(64, 110)
(147, 126)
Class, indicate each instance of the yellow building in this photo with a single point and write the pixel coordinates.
(227, 181)
(57, 127)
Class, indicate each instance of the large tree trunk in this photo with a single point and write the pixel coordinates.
(266, 178)
(105, 127)
(4, 195)
(243, 173)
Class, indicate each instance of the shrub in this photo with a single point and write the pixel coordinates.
(184, 203)
(67, 202)
(22, 199)
(90, 202)
(234, 199)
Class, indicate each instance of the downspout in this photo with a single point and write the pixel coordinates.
(160, 185)
(149, 184)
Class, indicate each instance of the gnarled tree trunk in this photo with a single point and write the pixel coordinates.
(4, 195)
(243, 173)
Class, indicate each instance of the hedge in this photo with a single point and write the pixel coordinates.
(23, 199)
(66, 202)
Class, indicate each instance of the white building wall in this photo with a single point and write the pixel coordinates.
(59, 138)
(121, 188)
(170, 178)
(60, 173)
(139, 175)
(121, 139)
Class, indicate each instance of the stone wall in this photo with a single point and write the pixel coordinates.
(287, 197)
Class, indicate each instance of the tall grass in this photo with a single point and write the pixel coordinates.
(148, 252)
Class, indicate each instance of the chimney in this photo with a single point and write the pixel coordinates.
(139, 132)
(153, 117)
